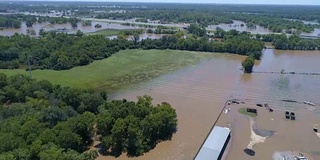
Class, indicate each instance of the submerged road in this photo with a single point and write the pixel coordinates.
(300, 73)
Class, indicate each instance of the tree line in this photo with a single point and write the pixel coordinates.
(208, 16)
(14, 20)
(310, 13)
(293, 42)
(241, 43)
(283, 17)
(9, 21)
(57, 51)
(39, 120)
(60, 51)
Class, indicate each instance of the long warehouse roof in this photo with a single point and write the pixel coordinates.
(214, 144)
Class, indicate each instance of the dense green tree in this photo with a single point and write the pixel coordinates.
(86, 23)
(9, 142)
(135, 38)
(105, 123)
(103, 94)
(51, 116)
(197, 30)
(45, 121)
(79, 33)
(22, 153)
(3, 80)
(68, 139)
(247, 64)
(118, 134)
(91, 155)
(293, 42)
(135, 127)
(256, 55)
(90, 102)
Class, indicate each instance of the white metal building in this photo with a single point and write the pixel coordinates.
(215, 144)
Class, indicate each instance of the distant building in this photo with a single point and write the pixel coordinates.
(215, 144)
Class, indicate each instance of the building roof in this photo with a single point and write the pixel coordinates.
(214, 143)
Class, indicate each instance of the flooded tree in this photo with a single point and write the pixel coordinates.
(135, 128)
(135, 38)
(247, 64)
(197, 30)
(97, 26)
(86, 23)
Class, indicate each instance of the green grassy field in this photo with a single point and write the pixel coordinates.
(244, 111)
(122, 69)
(108, 32)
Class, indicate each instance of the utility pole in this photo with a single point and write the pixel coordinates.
(30, 72)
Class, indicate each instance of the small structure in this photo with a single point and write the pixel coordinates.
(315, 129)
(268, 108)
(251, 110)
(292, 116)
(215, 144)
(301, 157)
(309, 103)
(235, 101)
(249, 152)
(287, 114)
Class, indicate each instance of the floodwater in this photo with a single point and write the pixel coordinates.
(116, 24)
(52, 13)
(86, 29)
(142, 36)
(198, 94)
(237, 26)
(258, 30)
(49, 27)
(316, 32)
(152, 23)
(304, 22)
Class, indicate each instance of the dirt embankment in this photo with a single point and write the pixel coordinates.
(258, 135)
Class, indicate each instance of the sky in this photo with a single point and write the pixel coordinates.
(283, 2)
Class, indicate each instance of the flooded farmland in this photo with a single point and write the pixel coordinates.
(237, 26)
(241, 26)
(67, 27)
(198, 94)
(86, 29)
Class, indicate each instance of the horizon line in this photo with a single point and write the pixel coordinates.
(216, 3)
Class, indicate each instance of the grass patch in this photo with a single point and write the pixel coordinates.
(110, 32)
(244, 111)
(122, 69)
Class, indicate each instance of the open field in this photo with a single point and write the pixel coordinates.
(120, 70)
(109, 32)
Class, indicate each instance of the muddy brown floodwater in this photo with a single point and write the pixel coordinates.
(198, 94)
